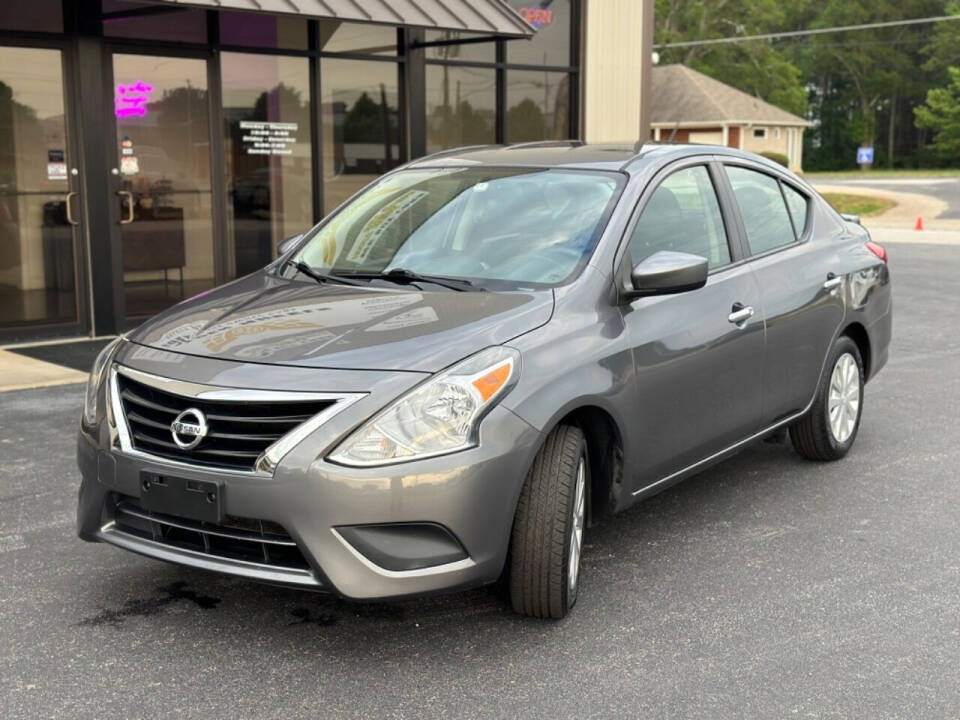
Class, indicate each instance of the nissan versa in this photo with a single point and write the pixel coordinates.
(446, 380)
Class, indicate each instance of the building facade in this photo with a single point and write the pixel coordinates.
(152, 150)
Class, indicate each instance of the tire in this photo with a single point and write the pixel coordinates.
(815, 436)
(548, 527)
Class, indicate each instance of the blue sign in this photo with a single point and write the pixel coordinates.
(865, 156)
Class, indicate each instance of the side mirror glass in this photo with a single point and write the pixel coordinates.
(288, 244)
(667, 272)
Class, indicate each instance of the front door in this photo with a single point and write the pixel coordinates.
(162, 179)
(698, 354)
(41, 209)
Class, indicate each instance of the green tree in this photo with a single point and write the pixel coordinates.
(755, 67)
(941, 114)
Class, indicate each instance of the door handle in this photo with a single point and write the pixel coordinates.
(832, 282)
(68, 200)
(741, 313)
(129, 196)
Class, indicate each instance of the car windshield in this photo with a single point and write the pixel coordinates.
(497, 227)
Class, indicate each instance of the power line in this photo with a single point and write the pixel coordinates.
(802, 33)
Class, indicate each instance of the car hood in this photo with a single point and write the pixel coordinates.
(266, 319)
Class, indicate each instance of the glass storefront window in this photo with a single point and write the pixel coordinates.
(173, 24)
(461, 106)
(472, 52)
(163, 146)
(262, 30)
(362, 38)
(37, 275)
(361, 125)
(551, 44)
(32, 15)
(538, 106)
(267, 126)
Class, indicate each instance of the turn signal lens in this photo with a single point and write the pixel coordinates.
(877, 250)
(437, 417)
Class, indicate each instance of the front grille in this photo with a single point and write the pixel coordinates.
(253, 541)
(238, 432)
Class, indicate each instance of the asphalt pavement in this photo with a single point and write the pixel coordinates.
(766, 587)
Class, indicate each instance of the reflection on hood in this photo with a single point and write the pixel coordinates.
(265, 319)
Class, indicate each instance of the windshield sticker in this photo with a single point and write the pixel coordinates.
(376, 226)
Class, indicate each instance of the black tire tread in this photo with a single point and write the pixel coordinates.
(538, 575)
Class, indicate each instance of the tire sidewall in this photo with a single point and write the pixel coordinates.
(570, 595)
(844, 345)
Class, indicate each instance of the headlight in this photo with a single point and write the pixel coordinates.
(93, 382)
(438, 417)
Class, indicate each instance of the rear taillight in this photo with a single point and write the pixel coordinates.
(878, 250)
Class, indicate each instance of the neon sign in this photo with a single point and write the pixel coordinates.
(536, 16)
(132, 99)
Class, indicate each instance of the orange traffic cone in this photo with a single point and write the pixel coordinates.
(919, 225)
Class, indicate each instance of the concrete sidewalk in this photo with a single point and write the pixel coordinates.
(19, 372)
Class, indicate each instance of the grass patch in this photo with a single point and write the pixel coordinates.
(885, 173)
(862, 205)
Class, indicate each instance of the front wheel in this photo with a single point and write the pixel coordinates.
(827, 432)
(547, 533)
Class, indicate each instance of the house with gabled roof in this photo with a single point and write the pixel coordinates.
(688, 106)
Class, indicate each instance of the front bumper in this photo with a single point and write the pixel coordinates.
(470, 494)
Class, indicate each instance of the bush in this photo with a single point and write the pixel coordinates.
(776, 157)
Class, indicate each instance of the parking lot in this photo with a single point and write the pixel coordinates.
(767, 587)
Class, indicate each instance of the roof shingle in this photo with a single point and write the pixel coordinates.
(682, 95)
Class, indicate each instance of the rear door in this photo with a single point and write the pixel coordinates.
(798, 269)
(697, 354)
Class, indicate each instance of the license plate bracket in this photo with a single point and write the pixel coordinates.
(181, 497)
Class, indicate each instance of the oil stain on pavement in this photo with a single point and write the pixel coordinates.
(146, 607)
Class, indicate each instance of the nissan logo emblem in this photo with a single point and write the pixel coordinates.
(189, 428)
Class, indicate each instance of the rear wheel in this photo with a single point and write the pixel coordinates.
(548, 527)
(828, 431)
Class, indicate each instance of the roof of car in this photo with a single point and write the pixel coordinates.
(572, 154)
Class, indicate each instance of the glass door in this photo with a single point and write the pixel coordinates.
(162, 111)
(39, 203)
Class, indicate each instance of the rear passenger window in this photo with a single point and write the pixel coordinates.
(798, 207)
(762, 208)
(682, 215)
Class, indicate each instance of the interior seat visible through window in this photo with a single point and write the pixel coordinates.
(683, 215)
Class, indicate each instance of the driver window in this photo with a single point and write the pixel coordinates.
(682, 215)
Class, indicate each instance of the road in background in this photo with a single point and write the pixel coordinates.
(766, 587)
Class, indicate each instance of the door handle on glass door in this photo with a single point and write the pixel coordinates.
(68, 201)
(741, 313)
(129, 196)
(832, 281)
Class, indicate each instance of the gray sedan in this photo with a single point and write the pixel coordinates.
(479, 355)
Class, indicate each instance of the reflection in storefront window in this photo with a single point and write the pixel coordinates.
(538, 105)
(147, 21)
(362, 38)
(551, 44)
(37, 279)
(164, 179)
(461, 106)
(461, 51)
(266, 109)
(361, 125)
(262, 30)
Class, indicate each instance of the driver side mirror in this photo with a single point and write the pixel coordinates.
(287, 244)
(667, 273)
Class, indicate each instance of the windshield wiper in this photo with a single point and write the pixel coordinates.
(407, 277)
(321, 277)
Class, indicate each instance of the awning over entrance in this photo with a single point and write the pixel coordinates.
(481, 16)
